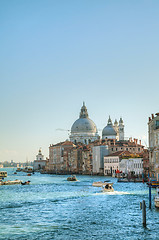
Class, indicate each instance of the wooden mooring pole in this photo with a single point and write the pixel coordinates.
(143, 207)
(149, 196)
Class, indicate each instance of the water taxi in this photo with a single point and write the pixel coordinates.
(72, 178)
(108, 187)
(9, 182)
(156, 199)
(99, 184)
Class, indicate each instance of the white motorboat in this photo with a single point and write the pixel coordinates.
(8, 182)
(99, 184)
(156, 199)
(108, 187)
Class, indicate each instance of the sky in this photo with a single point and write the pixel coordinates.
(55, 54)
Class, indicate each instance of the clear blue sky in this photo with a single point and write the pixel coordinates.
(55, 54)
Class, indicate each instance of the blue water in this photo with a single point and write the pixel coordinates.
(53, 208)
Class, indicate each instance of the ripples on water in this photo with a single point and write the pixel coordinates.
(52, 208)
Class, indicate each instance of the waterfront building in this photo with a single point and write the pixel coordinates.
(59, 157)
(153, 135)
(83, 129)
(40, 162)
(124, 162)
(125, 145)
(131, 165)
(98, 152)
(146, 162)
(111, 163)
(68, 158)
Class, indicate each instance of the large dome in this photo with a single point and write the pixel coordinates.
(84, 125)
(83, 129)
(109, 131)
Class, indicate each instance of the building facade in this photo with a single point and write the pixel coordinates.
(40, 162)
(123, 161)
(153, 135)
(98, 153)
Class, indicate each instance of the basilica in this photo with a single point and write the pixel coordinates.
(85, 131)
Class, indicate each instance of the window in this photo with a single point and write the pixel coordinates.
(157, 123)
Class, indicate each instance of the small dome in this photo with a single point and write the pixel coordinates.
(109, 130)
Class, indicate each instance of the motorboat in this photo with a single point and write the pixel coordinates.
(156, 199)
(99, 184)
(3, 174)
(72, 178)
(108, 187)
(25, 183)
(19, 170)
(10, 182)
(153, 183)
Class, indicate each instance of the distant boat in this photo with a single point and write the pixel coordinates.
(25, 183)
(19, 170)
(72, 178)
(3, 174)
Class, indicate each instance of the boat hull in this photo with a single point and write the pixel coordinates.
(99, 184)
(11, 182)
(157, 202)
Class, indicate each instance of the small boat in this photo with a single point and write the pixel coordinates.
(19, 170)
(3, 174)
(99, 184)
(153, 183)
(9, 182)
(72, 178)
(29, 174)
(25, 183)
(108, 187)
(156, 199)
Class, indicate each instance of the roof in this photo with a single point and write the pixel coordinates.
(119, 153)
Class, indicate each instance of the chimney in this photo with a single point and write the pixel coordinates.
(149, 119)
(152, 116)
(140, 142)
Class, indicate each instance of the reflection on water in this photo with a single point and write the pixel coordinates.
(53, 208)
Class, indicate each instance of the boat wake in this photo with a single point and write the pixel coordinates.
(112, 193)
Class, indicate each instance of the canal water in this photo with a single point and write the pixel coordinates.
(53, 208)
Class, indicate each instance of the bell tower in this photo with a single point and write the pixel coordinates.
(121, 129)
